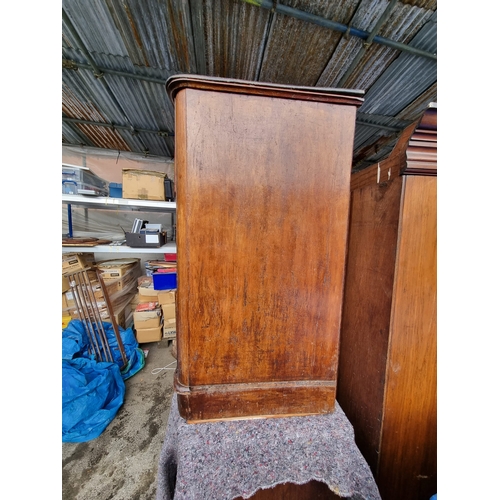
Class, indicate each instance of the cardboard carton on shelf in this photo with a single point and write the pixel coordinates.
(143, 184)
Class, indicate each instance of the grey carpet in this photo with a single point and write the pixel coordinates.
(224, 460)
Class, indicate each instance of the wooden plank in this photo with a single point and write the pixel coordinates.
(409, 434)
(313, 490)
(367, 310)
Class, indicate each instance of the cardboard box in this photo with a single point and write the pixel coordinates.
(147, 310)
(166, 297)
(73, 262)
(169, 329)
(146, 290)
(99, 299)
(149, 334)
(121, 314)
(65, 284)
(147, 323)
(168, 311)
(143, 184)
(103, 313)
(147, 298)
(116, 268)
(122, 284)
(89, 258)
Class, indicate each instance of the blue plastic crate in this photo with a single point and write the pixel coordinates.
(164, 281)
(115, 190)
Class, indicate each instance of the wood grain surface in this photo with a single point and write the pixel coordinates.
(263, 200)
(314, 490)
(409, 433)
(367, 310)
(387, 381)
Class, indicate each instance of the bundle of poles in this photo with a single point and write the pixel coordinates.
(90, 316)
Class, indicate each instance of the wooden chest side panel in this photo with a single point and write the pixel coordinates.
(409, 433)
(364, 337)
(263, 233)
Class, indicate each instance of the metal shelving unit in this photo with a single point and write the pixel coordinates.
(104, 202)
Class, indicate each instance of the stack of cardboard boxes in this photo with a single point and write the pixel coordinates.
(133, 297)
(119, 277)
(157, 304)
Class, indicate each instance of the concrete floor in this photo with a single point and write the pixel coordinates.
(122, 463)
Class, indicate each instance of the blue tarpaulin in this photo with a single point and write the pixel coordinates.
(93, 391)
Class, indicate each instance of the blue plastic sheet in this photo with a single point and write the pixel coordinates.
(93, 391)
(92, 394)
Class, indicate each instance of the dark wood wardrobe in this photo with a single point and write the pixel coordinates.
(387, 379)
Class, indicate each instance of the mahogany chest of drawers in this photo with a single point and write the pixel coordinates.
(262, 175)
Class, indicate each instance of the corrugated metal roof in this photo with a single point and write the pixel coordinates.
(137, 45)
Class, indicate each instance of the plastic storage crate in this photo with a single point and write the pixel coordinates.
(164, 281)
(81, 180)
(115, 190)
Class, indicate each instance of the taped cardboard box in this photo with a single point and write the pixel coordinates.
(169, 329)
(147, 310)
(145, 287)
(143, 184)
(168, 311)
(149, 334)
(122, 313)
(147, 298)
(65, 284)
(166, 297)
(89, 314)
(147, 323)
(124, 284)
(116, 268)
(72, 263)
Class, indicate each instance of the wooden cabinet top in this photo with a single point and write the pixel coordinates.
(319, 94)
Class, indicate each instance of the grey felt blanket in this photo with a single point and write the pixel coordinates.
(225, 460)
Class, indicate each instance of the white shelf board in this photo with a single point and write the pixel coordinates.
(170, 247)
(119, 203)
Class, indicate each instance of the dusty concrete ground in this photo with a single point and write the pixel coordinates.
(121, 464)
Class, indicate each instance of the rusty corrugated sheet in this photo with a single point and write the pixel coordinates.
(297, 51)
(233, 39)
(235, 34)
